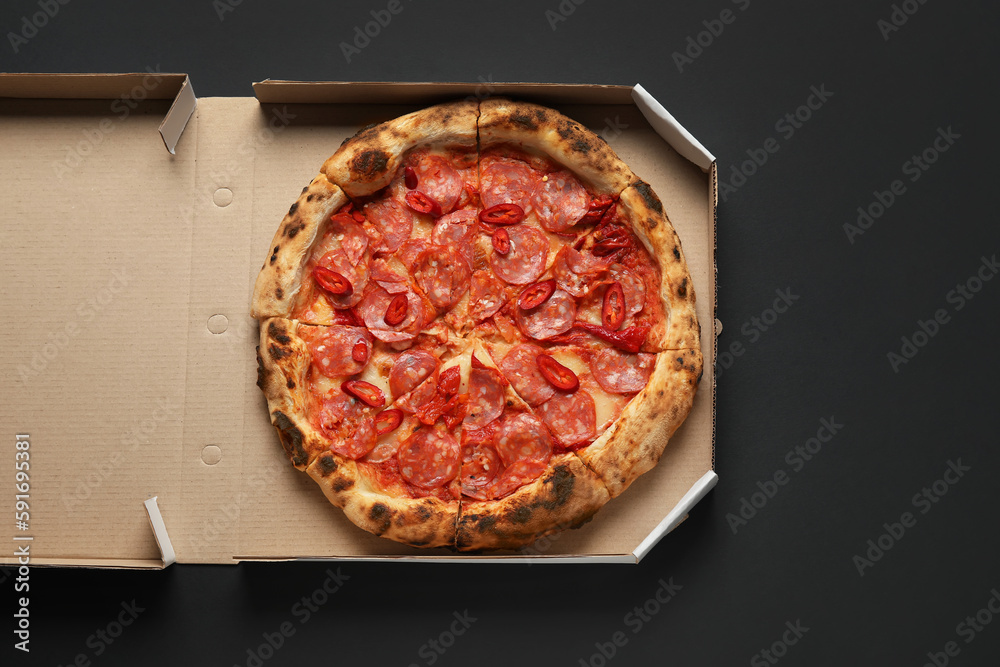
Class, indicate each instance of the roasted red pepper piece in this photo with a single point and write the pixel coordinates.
(449, 380)
(456, 410)
(365, 392)
(558, 375)
(627, 340)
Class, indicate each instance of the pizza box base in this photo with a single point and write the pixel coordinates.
(135, 219)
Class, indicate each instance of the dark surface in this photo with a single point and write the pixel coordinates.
(826, 357)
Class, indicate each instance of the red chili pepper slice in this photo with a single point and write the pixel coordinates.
(421, 203)
(502, 214)
(613, 309)
(409, 178)
(501, 241)
(396, 311)
(558, 375)
(449, 381)
(388, 421)
(360, 352)
(358, 216)
(365, 392)
(627, 340)
(535, 295)
(597, 207)
(332, 282)
(346, 317)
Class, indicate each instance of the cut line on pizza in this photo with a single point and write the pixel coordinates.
(472, 321)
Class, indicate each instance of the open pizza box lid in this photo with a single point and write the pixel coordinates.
(134, 221)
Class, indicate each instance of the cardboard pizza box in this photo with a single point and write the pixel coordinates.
(135, 218)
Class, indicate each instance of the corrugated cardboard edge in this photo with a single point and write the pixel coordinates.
(678, 514)
(160, 532)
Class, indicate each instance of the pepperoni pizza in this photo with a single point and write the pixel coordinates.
(471, 322)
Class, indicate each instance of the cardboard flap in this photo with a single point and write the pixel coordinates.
(671, 131)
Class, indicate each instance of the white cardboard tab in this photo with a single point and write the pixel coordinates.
(178, 116)
(671, 131)
(160, 531)
(690, 499)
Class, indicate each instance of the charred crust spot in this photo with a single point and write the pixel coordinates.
(660, 393)
(524, 120)
(382, 516)
(581, 146)
(277, 353)
(274, 258)
(682, 289)
(370, 163)
(261, 372)
(565, 129)
(649, 197)
(486, 523)
(291, 231)
(293, 208)
(327, 464)
(677, 253)
(305, 188)
(341, 484)
(291, 438)
(424, 512)
(563, 481)
(418, 543)
(277, 248)
(279, 293)
(521, 515)
(290, 384)
(278, 334)
(310, 197)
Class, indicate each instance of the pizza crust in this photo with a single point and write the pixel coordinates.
(526, 125)
(367, 162)
(280, 280)
(634, 443)
(418, 522)
(566, 495)
(681, 329)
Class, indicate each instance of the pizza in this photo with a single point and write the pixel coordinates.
(471, 321)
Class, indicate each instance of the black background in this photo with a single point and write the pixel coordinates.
(825, 358)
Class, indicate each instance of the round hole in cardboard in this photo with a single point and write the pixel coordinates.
(223, 197)
(218, 324)
(211, 455)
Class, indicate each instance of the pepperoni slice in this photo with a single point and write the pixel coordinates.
(521, 369)
(529, 251)
(418, 396)
(349, 236)
(455, 231)
(572, 418)
(354, 273)
(523, 438)
(486, 295)
(410, 250)
(516, 476)
(373, 308)
(560, 201)
(392, 218)
(437, 179)
(429, 459)
(486, 397)
(347, 424)
(332, 349)
(633, 288)
(480, 465)
(505, 181)
(553, 317)
(410, 369)
(620, 372)
(578, 273)
(382, 272)
(442, 275)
